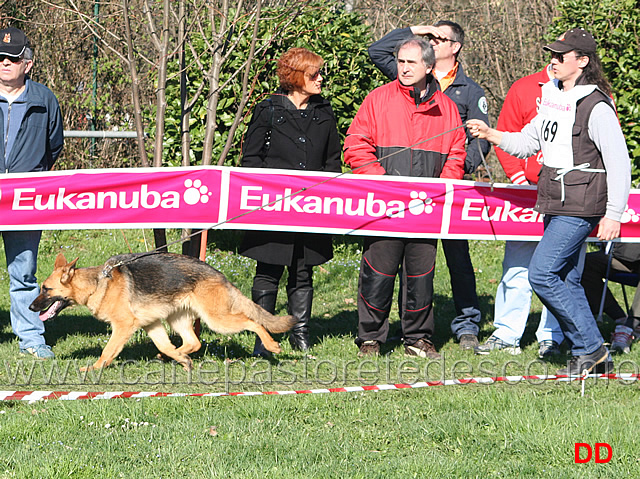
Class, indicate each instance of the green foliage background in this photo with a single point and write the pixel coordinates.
(498, 52)
(615, 24)
(340, 38)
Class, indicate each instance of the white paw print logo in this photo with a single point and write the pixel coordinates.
(420, 203)
(196, 192)
(630, 215)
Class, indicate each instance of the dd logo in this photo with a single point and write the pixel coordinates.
(598, 447)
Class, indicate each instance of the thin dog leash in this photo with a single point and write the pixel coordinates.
(484, 163)
(108, 269)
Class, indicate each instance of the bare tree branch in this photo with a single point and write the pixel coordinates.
(245, 80)
(135, 85)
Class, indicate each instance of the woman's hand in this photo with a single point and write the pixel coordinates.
(608, 229)
(478, 128)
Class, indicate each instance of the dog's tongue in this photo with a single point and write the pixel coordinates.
(51, 312)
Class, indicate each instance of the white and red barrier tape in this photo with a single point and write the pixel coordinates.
(33, 396)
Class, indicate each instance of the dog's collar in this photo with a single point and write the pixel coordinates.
(106, 271)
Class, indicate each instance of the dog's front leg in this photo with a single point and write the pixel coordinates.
(119, 337)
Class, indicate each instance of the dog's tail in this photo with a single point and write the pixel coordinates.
(270, 322)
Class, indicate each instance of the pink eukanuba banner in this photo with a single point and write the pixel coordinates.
(276, 200)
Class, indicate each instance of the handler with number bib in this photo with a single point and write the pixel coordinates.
(584, 182)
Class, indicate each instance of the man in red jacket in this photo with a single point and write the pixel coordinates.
(447, 39)
(513, 297)
(387, 136)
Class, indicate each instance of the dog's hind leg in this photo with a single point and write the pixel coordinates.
(213, 305)
(182, 323)
(269, 343)
(159, 337)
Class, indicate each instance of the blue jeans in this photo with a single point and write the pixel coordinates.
(21, 249)
(555, 277)
(513, 297)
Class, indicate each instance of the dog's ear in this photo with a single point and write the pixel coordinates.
(60, 261)
(68, 270)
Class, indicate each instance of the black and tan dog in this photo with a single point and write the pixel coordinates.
(133, 291)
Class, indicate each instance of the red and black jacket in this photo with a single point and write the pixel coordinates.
(387, 135)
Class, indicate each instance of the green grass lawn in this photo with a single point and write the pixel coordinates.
(525, 429)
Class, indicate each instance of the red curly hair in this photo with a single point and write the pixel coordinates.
(292, 66)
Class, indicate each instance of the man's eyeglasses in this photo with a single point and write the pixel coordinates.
(12, 59)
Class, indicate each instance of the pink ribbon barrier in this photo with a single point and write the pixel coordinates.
(277, 200)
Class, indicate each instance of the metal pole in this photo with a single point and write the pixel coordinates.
(609, 252)
(94, 99)
(99, 134)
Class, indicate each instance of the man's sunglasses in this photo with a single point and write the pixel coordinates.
(12, 59)
(438, 40)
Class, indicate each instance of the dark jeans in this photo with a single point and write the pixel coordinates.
(463, 287)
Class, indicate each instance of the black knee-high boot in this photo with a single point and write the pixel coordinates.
(267, 300)
(300, 307)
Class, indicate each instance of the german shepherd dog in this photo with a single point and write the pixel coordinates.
(133, 291)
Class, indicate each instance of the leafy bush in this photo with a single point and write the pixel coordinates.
(340, 38)
(615, 26)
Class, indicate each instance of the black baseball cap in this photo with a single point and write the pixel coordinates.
(574, 39)
(13, 41)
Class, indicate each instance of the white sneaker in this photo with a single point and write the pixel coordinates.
(621, 339)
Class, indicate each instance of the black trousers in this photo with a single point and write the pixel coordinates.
(268, 275)
(463, 288)
(595, 270)
(381, 260)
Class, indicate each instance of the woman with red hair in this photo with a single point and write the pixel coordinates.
(294, 129)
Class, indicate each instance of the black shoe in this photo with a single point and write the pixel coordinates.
(299, 340)
(606, 367)
(548, 348)
(587, 362)
(468, 342)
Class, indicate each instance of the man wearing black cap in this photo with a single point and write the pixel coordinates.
(584, 182)
(31, 140)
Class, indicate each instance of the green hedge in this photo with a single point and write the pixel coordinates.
(340, 38)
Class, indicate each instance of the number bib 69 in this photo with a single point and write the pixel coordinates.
(555, 120)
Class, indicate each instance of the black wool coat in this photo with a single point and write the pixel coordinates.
(280, 136)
